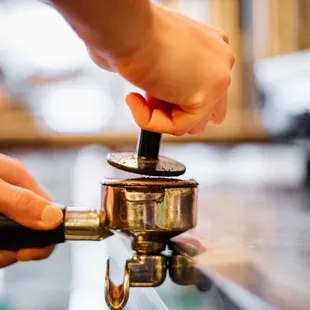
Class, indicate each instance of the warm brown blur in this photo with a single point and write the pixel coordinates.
(257, 30)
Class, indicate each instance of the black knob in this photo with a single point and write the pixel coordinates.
(148, 144)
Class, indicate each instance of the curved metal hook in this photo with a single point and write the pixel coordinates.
(117, 296)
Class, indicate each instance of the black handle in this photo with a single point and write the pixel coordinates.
(148, 144)
(14, 236)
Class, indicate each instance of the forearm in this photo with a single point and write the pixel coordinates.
(114, 27)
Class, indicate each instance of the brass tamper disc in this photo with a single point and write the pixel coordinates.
(131, 162)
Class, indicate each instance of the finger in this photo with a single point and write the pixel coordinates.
(13, 171)
(225, 54)
(199, 129)
(155, 103)
(34, 254)
(229, 56)
(219, 32)
(27, 208)
(7, 258)
(139, 107)
(176, 122)
(220, 111)
(215, 117)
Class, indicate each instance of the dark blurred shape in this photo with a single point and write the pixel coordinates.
(284, 95)
(283, 88)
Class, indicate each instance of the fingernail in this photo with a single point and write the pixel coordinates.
(51, 215)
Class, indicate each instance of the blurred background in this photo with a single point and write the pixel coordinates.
(51, 91)
(61, 114)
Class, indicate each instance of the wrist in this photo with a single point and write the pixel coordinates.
(148, 50)
(115, 28)
(124, 37)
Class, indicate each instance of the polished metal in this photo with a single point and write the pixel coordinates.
(147, 270)
(116, 297)
(150, 271)
(84, 224)
(183, 271)
(150, 211)
(140, 271)
(160, 167)
(142, 245)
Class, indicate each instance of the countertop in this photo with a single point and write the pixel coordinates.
(253, 218)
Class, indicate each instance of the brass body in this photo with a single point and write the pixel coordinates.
(150, 211)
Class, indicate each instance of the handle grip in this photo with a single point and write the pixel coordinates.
(148, 144)
(14, 236)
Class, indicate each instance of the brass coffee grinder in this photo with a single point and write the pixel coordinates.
(149, 210)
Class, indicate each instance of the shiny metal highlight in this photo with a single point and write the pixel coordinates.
(84, 224)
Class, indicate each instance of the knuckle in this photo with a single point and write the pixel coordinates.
(22, 199)
(230, 55)
(224, 81)
(224, 36)
(227, 54)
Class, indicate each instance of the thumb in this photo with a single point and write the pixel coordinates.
(27, 208)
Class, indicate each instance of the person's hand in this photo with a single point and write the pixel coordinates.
(181, 62)
(25, 202)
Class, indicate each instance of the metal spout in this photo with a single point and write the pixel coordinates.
(117, 296)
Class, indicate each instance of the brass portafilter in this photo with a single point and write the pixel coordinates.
(149, 211)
